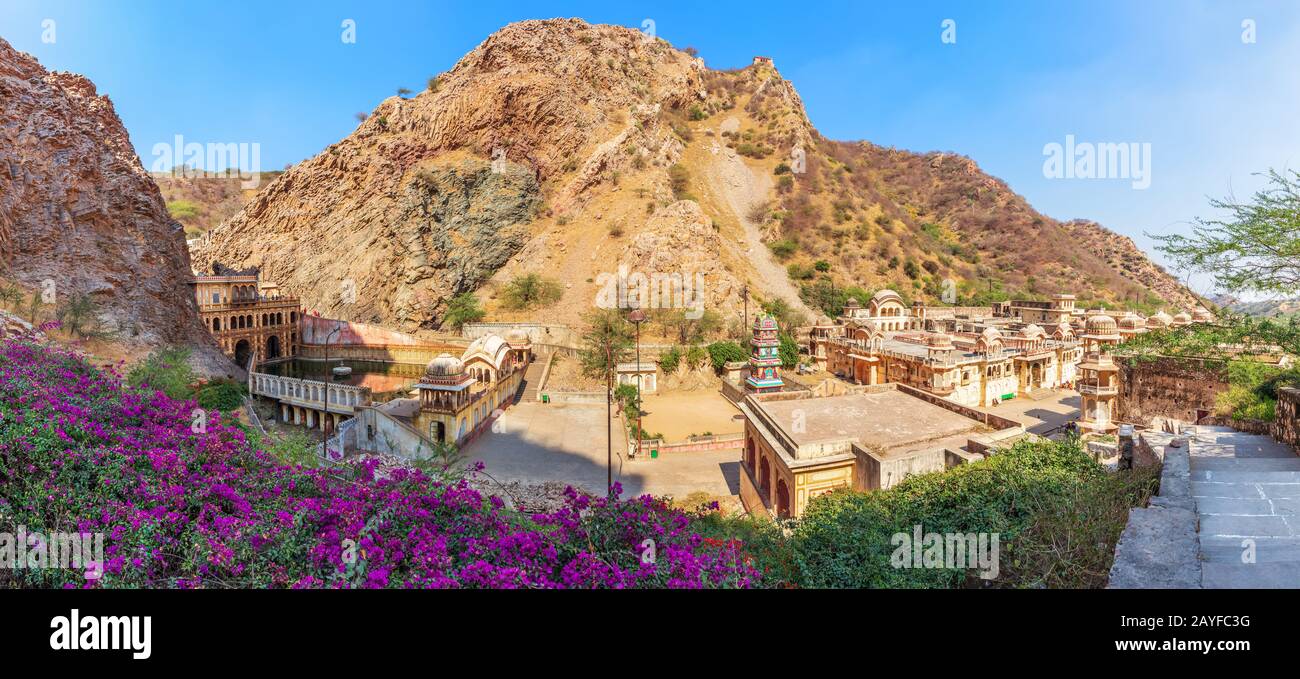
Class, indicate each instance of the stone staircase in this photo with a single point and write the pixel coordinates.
(532, 382)
(1226, 516)
(1247, 493)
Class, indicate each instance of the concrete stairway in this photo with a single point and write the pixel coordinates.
(1246, 489)
(532, 382)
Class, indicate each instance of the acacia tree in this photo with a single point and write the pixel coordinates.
(1256, 248)
(606, 343)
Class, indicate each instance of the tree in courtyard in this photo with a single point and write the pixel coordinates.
(606, 343)
(1256, 248)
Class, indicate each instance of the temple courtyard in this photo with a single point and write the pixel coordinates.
(538, 442)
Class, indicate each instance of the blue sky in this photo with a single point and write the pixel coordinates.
(1176, 75)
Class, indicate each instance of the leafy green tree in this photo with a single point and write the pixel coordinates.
(463, 309)
(722, 352)
(788, 350)
(531, 290)
(678, 324)
(606, 343)
(1256, 248)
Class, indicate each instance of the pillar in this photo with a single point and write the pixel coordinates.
(297, 415)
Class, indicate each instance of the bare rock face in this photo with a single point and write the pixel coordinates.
(430, 195)
(678, 254)
(568, 150)
(77, 209)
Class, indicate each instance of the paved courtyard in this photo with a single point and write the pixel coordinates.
(1041, 413)
(566, 443)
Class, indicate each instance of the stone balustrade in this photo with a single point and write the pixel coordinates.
(342, 399)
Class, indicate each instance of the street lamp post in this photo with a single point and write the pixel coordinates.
(324, 435)
(609, 414)
(637, 317)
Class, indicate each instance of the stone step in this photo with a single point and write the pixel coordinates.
(1264, 464)
(1230, 525)
(1274, 575)
(1266, 550)
(1245, 476)
(1271, 491)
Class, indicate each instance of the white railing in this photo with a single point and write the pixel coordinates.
(315, 394)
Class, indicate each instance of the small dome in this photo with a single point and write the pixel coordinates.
(1032, 330)
(1182, 318)
(444, 365)
(1063, 329)
(1159, 320)
(1202, 315)
(853, 303)
(939, 340)
(1101, 324)
(517, 337)
(886, 295)
(991, 333)
(1131, 322)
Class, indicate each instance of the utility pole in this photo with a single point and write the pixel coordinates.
(744, 295)
(637, 317)
(324, 435)
(609, 415)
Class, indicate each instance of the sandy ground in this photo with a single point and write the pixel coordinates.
(566, 443)
(678, 414)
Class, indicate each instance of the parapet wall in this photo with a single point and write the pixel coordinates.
(1175, 388)
(1286, 427)
(315, 330)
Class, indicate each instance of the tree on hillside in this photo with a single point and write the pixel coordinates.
(1256, 248)
(531, 290)
(463, 309)
(403, 92)
(677, 324)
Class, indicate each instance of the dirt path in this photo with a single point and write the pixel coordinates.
(742, 188)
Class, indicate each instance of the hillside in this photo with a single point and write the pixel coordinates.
(200, 203)
(82, 223)
(614, 149)
(1270, 308)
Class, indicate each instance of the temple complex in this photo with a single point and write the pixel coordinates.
(458, 397)
(799, 445)
(248, 317)
(975, 356)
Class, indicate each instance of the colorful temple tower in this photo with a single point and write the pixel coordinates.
(765, 356)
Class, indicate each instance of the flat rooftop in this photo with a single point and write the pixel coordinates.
(890, 419)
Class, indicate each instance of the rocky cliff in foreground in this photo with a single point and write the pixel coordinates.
(78, 209)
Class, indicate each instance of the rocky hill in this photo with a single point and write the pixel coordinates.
(80, 216)
(201, 202)
(573, 150)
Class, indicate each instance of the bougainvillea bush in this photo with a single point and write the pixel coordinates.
(188, 501)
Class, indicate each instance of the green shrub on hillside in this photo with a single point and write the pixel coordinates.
(722, 352)
(530, 291)
(167, 370)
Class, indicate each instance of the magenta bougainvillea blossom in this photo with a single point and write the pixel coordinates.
(79, 451)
